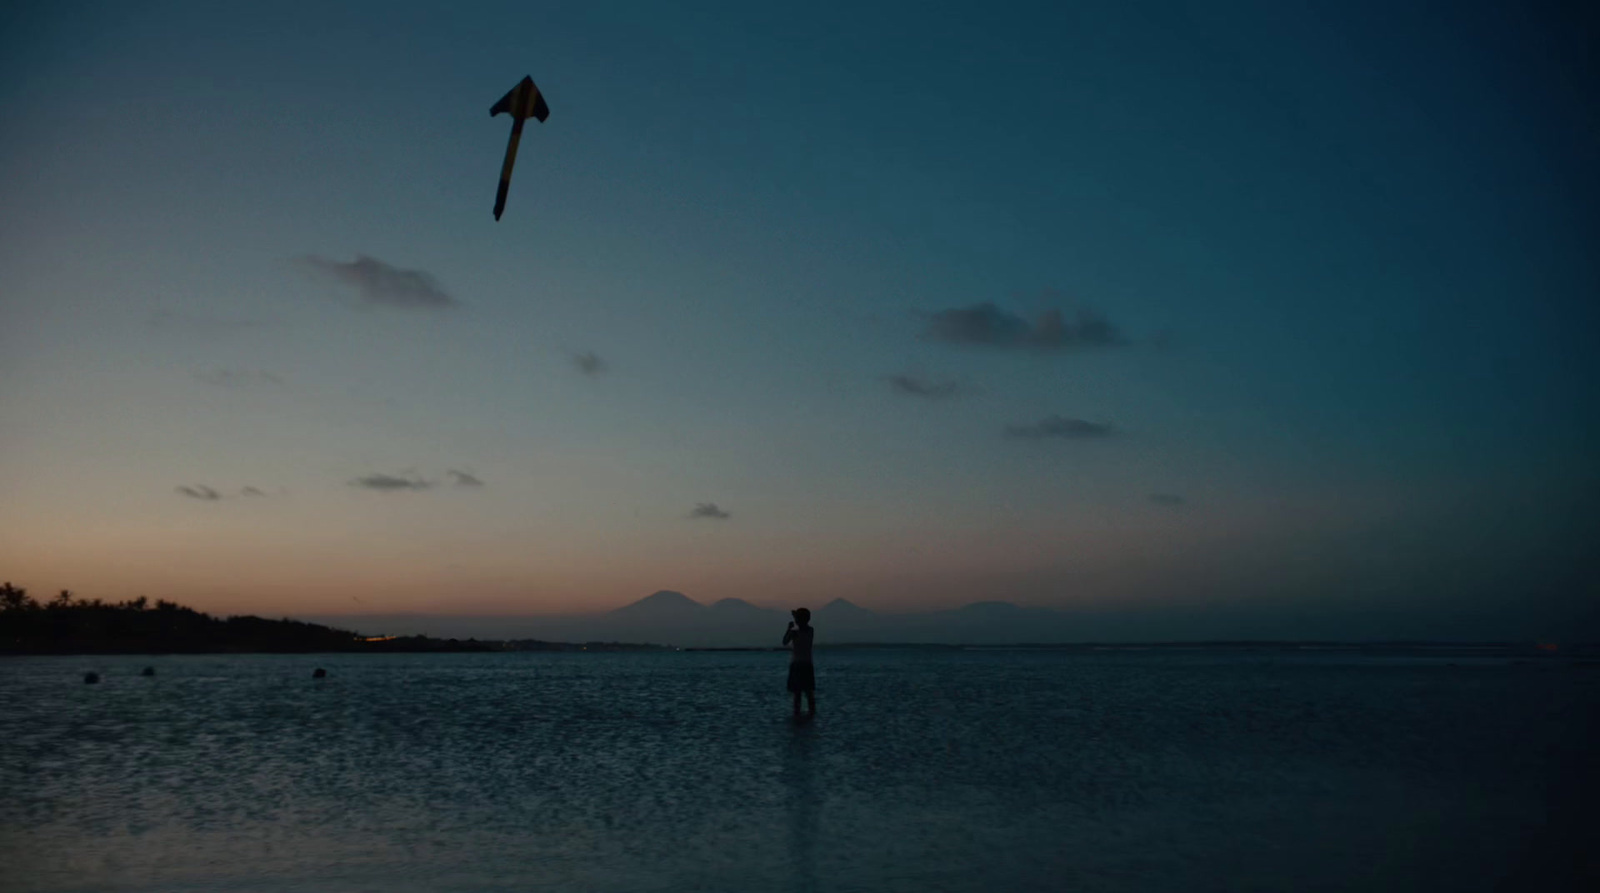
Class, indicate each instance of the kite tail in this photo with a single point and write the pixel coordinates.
(505, 170)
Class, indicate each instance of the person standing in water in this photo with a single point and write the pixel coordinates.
(802, 678)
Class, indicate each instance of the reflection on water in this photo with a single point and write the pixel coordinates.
(800, 779)
(680, 771)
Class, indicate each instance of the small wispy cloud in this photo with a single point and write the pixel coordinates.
(709, 510)
(381, 284)
(1058, 426)
(237, 378)
(462, 479)
(919, 386)
(1167, 499)
(589, 363)
(390, 483)
(987, 325)
(212, 494)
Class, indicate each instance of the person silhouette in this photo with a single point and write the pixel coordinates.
(802, 677)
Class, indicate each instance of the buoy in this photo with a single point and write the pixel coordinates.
(148, 671)
(91, 678)
(319, 673)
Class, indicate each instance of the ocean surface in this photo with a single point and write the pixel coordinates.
(1146, 770)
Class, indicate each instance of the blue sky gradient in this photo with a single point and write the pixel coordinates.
(1346, 249)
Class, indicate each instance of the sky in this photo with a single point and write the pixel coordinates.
(1271, 307)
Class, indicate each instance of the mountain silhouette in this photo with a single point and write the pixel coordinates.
(669, 617)
(659, 606)
(734, 610)
(844, 610)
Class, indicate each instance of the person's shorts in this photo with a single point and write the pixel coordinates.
(802, 677)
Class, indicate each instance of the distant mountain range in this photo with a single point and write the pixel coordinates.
(672, 618)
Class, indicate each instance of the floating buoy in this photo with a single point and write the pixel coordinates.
(148, 671)
(319, 673)
(91, 678)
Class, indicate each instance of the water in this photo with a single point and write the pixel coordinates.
(682, 771)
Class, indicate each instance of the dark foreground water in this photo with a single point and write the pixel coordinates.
(681, 771)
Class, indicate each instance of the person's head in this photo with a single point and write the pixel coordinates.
(802, 616)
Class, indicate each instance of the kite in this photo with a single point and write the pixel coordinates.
(523, 102)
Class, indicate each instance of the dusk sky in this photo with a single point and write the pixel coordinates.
(1256, 306)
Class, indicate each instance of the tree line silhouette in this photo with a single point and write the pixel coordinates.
(69, 625)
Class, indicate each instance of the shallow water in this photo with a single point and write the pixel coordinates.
(926, 771)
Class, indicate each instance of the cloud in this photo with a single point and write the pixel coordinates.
(383, 285)
(987, 325)
(390, 483)
(917, 386)
(1167, 499)
(589, 363)
(237, 378)
(709, 510)
(1056, 426)
(211, 494)
(462, 479)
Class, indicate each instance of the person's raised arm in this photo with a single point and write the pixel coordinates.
(788, 635)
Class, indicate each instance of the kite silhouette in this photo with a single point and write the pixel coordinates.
(523, 102)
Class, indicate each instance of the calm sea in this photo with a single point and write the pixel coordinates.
(925, 771)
